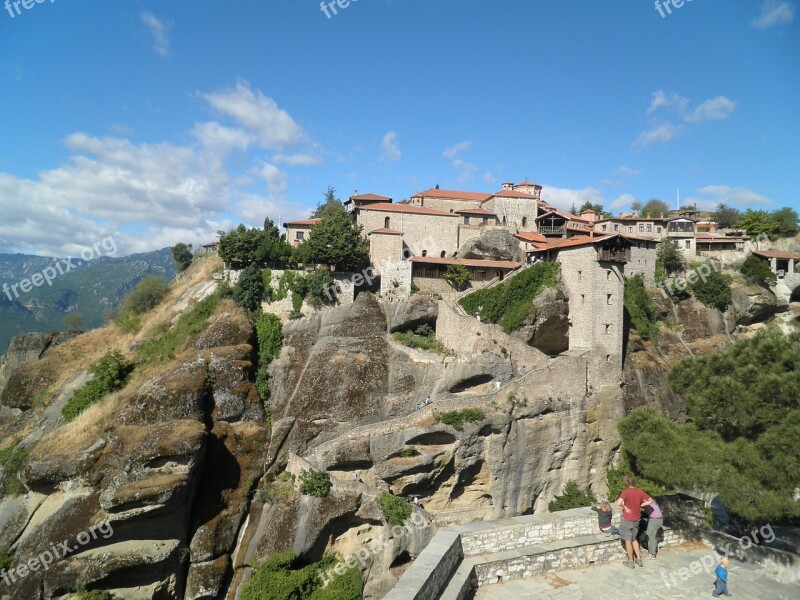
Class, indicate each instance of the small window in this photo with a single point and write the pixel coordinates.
(608, 275)
(658, 229)
(649, 228)
(443, 254)
(504, 219)
(524, 221)
(608, 298)
(580, 275)
(630, 229)
(641, 227)
(604, 226)
(300, 235)
(616, 227)
(583, 298)
(608, 358)
(608, 329)
(387, 222)
(466, 219)
(424, 253)
(688, 243)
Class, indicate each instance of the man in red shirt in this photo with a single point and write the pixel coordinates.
(631, 501)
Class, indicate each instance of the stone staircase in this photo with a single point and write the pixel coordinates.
(460, 559)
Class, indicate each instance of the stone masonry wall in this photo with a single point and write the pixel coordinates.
(643, 262)
(430, 233)
(395, 280)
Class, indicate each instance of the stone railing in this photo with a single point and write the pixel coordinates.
(460, 559)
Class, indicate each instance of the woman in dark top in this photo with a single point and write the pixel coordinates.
(604, 513)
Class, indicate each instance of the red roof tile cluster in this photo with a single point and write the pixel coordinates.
(305, 222)
(526, 182)
(385, 231)
(408, 209)
(532, 237)
(573, 242)
(371, 198)
(777, 254)
(453, 195)
(514, 194)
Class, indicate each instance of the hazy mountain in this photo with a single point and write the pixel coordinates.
(87, 288)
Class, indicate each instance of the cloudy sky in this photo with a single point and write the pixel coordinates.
(162, 122)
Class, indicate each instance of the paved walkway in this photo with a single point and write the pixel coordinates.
(658, 579)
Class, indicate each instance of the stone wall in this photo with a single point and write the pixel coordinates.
(395, 280)
(428, 577)
(643, 261)
(383, 247)
(519, 213)
(421, 232)
(595, 309)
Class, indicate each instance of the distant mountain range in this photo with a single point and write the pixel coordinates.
(86, 288)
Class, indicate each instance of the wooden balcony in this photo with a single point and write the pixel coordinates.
(616, 256)
(550, 230)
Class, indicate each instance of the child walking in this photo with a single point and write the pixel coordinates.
(721, 583)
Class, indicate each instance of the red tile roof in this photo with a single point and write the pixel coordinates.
(514, 194)
(371, 198)
(561, 213)
(477, 212)
(407, 208)
(777, 254)
(526, 182)
(467, 262)
(573, 242)
(385, 231)
(306, 222)
(531, 236)
(453, 195)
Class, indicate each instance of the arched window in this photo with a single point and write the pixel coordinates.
(424, 253)
(524, 221)
(504, 219)
(444, 253)
(386, 222)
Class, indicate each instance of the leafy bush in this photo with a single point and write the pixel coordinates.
(424, 338)
(758, 271)
(243, 246)
(409, 452)
(269, 333)
(641, 309)
(249, 290)
(147, 294)
(315, 483)
(509, 303)
(283, 577)
(337, 241)
(11, 461)
(110, 374)
(182, 255)
(281, 488)
(83, 594)
(320, 288)
(396, 510)
(167, 340)
(6, 558)
(457, 418)
(573, 497)
(669, 258)
(266, 280)
(714, 290)
(457, 276)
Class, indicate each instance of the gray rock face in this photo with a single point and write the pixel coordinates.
(547, 328)
(495, 244)
(22, 349)
(752, 304)
(404, 316)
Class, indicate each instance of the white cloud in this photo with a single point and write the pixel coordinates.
(465, 170)
(488, 178)
(628, 171)
(294, 160)
(565, 198)
(672, 101)
(659, 133)
(273, 127)
(732, 196)
(158, 29)
(774, 13)
(716, 109)
(220, 139)
(277, 181)
(391, 147)
(453, 151)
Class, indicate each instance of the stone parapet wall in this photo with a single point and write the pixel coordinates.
(428, 577)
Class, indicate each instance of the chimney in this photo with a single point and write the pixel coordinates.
(508, 185)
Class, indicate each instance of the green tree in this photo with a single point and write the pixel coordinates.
(726, 216)
(669, 257)
(598, 208)
(755, 222)
(320, 288)
(182, 255)
(654, 208)
(242, 246)
(784, 222)
(457, 276)
(73, 321)
(636, 206)
(109, 374)
(573, 497)
(757, 270)
(641, 309)
(249, 290)
(315, 483)
(273, 247)
(269, 333)
(396, 510)
(337, 241)
(713, 290)
(147, 294)
(331, 205)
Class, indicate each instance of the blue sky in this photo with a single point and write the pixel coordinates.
(159, 122)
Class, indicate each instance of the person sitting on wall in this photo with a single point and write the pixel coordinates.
(604, 514)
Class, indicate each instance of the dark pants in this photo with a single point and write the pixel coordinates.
(720, 587)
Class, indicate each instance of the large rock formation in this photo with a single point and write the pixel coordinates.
(492, 244)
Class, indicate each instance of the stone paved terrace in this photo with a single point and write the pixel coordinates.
(613, 581)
